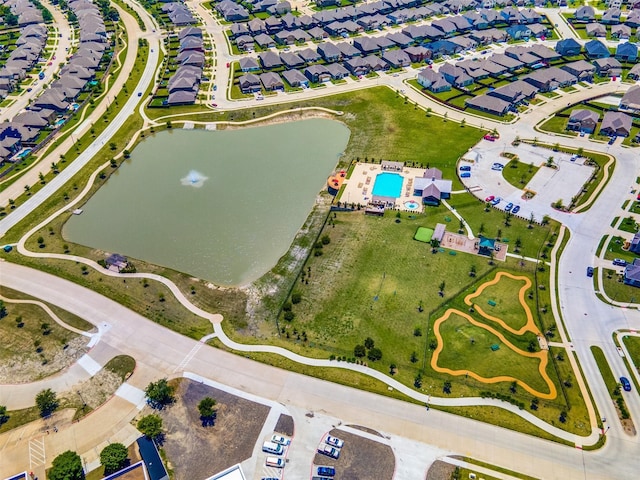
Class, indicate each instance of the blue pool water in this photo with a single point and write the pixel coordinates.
(388, 185)
(24, 153)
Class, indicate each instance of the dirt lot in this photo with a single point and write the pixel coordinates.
(440, 471)
(196, 452)
(285, 425)
(360, 458)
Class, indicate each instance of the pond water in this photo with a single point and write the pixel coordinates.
(220, 205)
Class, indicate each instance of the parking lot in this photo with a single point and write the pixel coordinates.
(548, 184)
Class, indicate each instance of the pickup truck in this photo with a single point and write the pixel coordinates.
(329, 451)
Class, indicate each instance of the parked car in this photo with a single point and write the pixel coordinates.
(497, 166)
(626, 385)
(611, 140)
(619, 262)
(589, 271)
(491, 138)
(280, 440)
(516, 209)
(465, 175)
(465, 168)
(490, 198)
(496, 201)
(508, 207)
(329, 451)
(334, 441)
(326, 471)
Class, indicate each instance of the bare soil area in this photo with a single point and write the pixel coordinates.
(196, 452)
(440, 471)
(360, 458)
(285, 425)
(366, 429)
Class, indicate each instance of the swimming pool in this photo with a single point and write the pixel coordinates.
(411, 205)
(388, 185)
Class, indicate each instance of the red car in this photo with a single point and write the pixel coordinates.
(491, 138)
(490, 198)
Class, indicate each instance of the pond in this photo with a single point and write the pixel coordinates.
(219, 205)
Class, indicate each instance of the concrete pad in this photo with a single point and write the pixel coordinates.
(131, 394)
(89, 364)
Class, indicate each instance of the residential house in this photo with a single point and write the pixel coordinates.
(249, 83)
(511, 64)
(245, 43)
(596, 49)
(317, 73)
(486, 103)
(585, 14)
(634, 73)
(621, 32)
(616, 124)
(238, 29)
(547, 79)
(433, 81)
(444, 47)
(271, 81)
(386, 43)
(295, 78)
(539, 30)
(248, 64)
(317, 33)
(515, 93)
(608, 67)
(631, 99)
(634, 245)
(632, 273)
(269, 60)
(418, 54)
(446, 26)
(611, 16)
(431, 187)
(366, 45)
(581, 69)
(264, 40)
(455, 75)
(523, 55)
(256, 26)
(519, 32)
(596, 30)
(583, 120)
(627, 52)
(568, 47)
(308, 55)
(190, 32)
(396, 58)
(347, 50)
(337, 71)
(633, 18)
(398, 38)
(329, 52)
(195, 59)
(291, 60)
(273, 24)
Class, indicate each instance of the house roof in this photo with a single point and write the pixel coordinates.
(582, 114)
(631, 99)
(596, 47)
(152, 460)
(294, 76)
(486, 102)
(616, 121)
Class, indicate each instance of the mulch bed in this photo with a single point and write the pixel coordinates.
(285, 425)
(440, 470)
(195, 451)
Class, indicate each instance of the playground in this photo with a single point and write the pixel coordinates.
(491, 336)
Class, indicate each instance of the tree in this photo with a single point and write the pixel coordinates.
(207, 409)
(472, 271)
(150, 426)
(66, 466)
(369, 343)
(518, 244)
(4, 418)
(374, 354)
(47, 402)
(446, 388)
(159, 393)
(113, 457)
(441, 288)
(3, 309)
(414, 357)
(359, 351)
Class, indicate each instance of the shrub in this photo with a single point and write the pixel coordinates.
(296, 297)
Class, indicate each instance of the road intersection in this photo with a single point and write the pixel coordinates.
(159, 352)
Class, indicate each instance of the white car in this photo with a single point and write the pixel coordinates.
(334, 441)
(280, 440)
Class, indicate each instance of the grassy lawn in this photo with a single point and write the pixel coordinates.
(67, 317)
(617, 290)
(18, 418)
(633, 346)
(610, 380)
(519, 174)
(614, 250)
(556, 124)
(121, 365)
(629, 225)
(504, 302)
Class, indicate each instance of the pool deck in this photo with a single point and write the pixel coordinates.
(359, 188)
